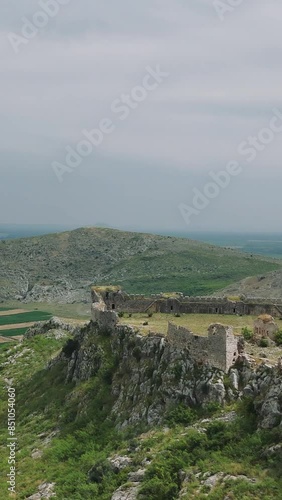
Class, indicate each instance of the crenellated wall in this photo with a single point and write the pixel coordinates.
(116, 299)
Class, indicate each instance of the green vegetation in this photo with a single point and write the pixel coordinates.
(198, 323)
(4, 346)
(139, 263)
(263, 343)
(247, 333)
(14, 332)
(24, 317)
(278, 337)
(76, 457)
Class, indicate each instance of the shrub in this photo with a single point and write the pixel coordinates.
(278, 337)
(137, 353)
(145, 323)
(263, 343)
(181, 415)
(150, 314)
(157, 488)
(99, 471)
(177, 315)
(247, 333)
(70, 347)
(211, 408)
(120, 314)
(177, 371)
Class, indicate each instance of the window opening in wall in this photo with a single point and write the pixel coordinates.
(113, 306)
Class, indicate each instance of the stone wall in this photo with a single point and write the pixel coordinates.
(218, 348)
(119, 300)
(106, 320)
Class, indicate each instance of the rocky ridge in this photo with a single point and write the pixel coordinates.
(149, 376)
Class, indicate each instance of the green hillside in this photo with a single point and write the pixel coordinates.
(66, 436)
(46, 267)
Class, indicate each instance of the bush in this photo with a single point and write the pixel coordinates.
(150, 314)
(247, 333)
(120, 314)
(278, 337)
(137, 353)
(99, 471)
(70, 347)
(181, 414)
(156, 488)
(263, 343)
(177, 315)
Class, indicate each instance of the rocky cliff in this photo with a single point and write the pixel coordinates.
(149, 376)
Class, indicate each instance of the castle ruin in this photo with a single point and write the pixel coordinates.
(118, 300)
(219, 348)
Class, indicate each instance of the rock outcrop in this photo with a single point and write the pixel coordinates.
(149, 376)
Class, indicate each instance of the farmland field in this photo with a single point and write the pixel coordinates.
(15, 322)
(25, 317)
(13, 332)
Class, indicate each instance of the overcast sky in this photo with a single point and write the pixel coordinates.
(225, 79)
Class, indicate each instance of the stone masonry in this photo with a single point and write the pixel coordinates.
(118, 300)
(219, 348)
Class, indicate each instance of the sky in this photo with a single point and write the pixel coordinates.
(177, 93)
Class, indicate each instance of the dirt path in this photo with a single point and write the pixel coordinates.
(3, 340)
(12, 311)
(16, 325)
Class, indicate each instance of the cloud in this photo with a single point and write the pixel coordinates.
(225, 78)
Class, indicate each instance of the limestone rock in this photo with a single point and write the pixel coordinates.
(118, 462)
(36, 454)
(45, 491)
(126, 493)
(137, 476)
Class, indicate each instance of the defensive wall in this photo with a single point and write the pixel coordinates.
(219, 348)
(118, 300)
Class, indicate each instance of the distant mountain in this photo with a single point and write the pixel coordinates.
(61, 267)
(11, 231)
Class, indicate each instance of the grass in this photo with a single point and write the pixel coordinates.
(139, 263)
(4, 345)
(24, 317)
(14, 332)
(71, 311)
(198, 323)
(87, 436)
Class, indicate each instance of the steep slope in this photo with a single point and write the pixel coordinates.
(97, 419)
(62, 266)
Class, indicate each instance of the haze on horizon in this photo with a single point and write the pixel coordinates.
(224, 82)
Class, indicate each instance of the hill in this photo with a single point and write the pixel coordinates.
(111, 416)
(61, 267)
(265, 285)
